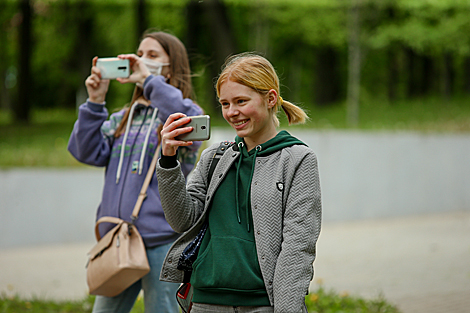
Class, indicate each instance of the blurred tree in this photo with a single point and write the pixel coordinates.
(466, 75)
(407, 48)
(327, 82)
(141, 18)
(5, 21)
(210, 33)
(448, 77)
(25, 83)
(354, 62)
(83, 46)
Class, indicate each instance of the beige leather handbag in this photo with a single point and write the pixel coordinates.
(119, 258)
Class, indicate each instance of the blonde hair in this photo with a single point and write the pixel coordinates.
(256, 72)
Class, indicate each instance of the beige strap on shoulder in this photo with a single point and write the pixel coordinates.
(140, 199)
(143, 191)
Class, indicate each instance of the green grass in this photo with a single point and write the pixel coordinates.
(323, 301)
(44, 142)
(17, 305)
(320, 301)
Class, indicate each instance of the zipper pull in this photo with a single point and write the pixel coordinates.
(117, 241)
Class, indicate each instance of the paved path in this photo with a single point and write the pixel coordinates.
(421, 263)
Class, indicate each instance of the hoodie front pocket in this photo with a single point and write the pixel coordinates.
(228, 263)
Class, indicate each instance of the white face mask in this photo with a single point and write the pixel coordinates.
(154, 67)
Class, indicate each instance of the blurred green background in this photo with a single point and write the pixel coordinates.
(352, 64)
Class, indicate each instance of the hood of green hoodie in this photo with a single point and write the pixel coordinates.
(281, 140)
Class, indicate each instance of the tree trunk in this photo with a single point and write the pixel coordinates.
(210, 33)
(4, 93)
(411, 86)
(467, 75)
(84, 51)
(427, 75)
(141, 18)
(448, 76)
(22, 108)
(354, 63)
(327, 78)
(392, 79)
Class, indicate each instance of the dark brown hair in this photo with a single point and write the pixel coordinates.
(180, 71)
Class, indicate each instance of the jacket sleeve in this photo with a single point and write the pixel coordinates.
(169, 99)
(87, 143)
(184, 204)
(301, 228)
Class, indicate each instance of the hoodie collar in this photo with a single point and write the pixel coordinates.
(281, 140)
(135, 106)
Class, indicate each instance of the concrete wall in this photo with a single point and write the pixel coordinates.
(363, 175)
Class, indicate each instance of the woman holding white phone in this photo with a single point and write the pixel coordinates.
(125, 143)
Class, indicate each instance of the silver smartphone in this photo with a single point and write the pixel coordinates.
(112, 68)
(201, 129)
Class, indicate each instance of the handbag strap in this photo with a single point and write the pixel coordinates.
(106, 219)
(140, 199)
(143, 191)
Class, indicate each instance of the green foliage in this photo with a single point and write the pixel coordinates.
(293, 34)
(323, 301)
(429, 30)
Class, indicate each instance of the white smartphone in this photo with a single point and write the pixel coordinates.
(112, 68)
(201, 129)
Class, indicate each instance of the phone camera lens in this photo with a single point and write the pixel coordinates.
(203, 127)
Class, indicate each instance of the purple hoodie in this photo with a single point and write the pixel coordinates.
(92, 142)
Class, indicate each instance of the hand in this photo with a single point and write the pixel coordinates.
(139, 70)
(95, 86)
(170, 131)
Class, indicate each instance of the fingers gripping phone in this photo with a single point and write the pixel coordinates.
(112, 68)
(201, 125)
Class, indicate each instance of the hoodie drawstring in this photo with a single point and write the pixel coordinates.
(247, 196)
(144, 148)
(124, 140)
(240, 146)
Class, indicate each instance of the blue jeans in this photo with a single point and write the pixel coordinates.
(159, 296)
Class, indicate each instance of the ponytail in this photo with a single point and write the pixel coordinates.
(295, 114)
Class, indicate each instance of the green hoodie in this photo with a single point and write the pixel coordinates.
(227, 271)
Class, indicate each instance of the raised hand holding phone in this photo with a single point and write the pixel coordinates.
(201, 125)
(139, 71)
(95, 85)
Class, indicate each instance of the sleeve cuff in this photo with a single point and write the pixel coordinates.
(147, 80)
(168, 161)
(96, 107)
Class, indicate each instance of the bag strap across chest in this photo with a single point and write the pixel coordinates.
(140, 198)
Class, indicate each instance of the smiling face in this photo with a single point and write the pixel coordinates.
(150, 48)
(248, 112)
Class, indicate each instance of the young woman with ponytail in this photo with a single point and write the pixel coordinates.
(262, 204)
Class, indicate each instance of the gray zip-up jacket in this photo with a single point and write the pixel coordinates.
(286, 207)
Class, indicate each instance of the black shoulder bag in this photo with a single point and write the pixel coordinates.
(189, 254)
